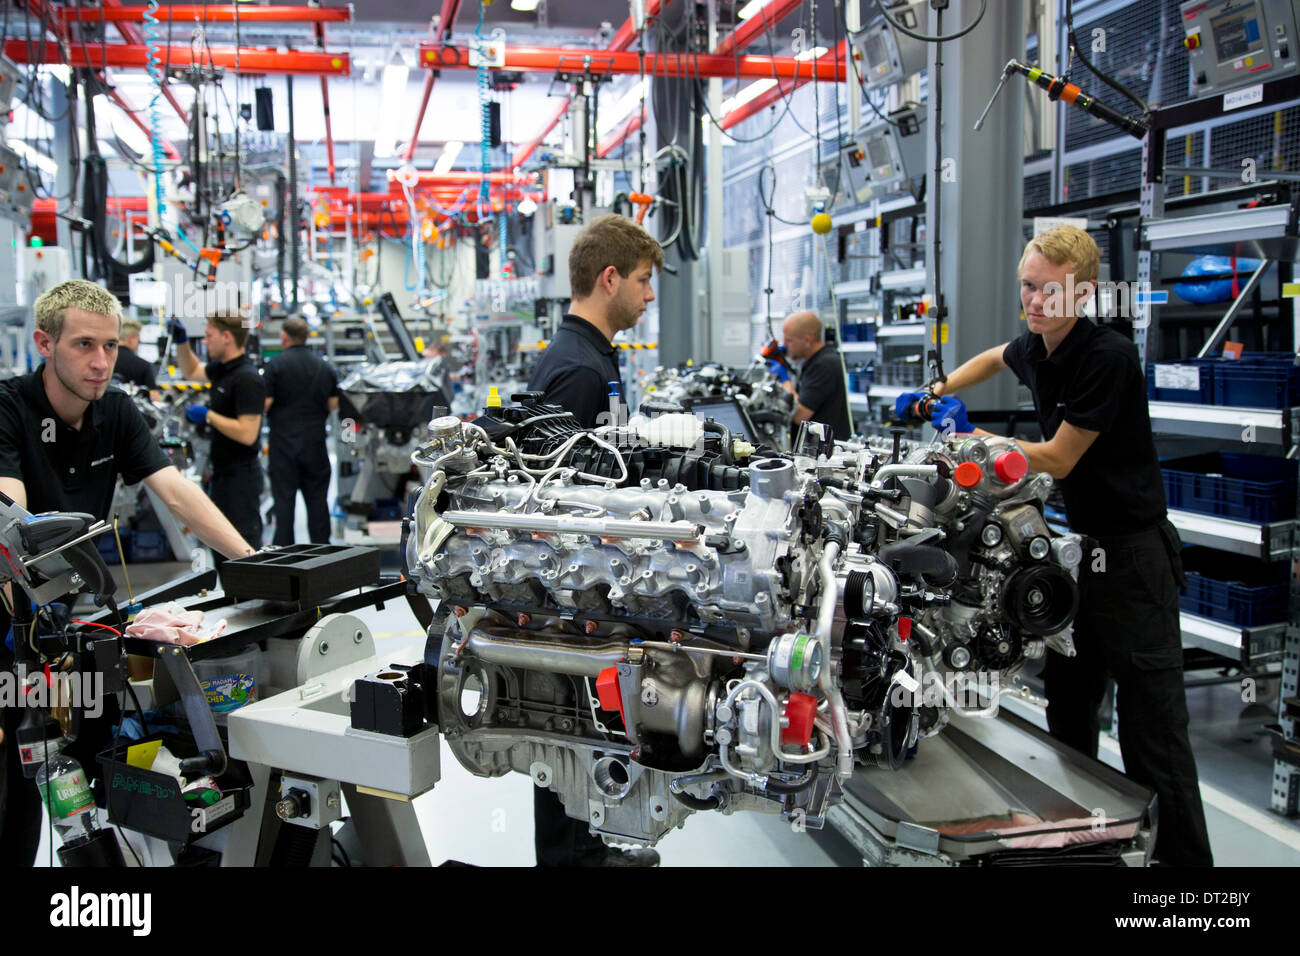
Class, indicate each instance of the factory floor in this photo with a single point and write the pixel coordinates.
(490, 822)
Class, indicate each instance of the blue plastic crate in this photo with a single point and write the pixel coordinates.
(107, 547)
(849, 332)
(1258, 382)
(1244, 487)
(150, 546)
(1203, 395)
(1234, 590)
(387, 509)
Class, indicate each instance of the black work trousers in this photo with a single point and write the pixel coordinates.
(1127, 628)
(236, 490)
(559, 839)
(306, 469)
(20, 801)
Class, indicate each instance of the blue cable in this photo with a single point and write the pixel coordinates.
(152, 38)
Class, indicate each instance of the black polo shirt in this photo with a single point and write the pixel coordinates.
(1093, 380)
(576, 369)
(131, 368)
(822, 391)
(237, 389)
(302, 383)
(68, 469)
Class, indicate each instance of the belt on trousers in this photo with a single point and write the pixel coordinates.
(1168, 536)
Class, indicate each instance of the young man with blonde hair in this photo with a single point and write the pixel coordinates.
(130, 367)
(1089, 392)
(65, 437)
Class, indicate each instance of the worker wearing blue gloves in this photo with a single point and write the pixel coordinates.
(947, 414)
(198, 414)
(780, 371)
(1090, 398)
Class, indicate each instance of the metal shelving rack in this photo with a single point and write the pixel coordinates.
(1268, 232)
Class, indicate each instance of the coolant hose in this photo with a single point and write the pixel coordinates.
(825, 620)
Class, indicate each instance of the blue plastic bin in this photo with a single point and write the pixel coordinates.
(1204, 395)
(1259, 381)
(1226, 485)
(1234, 590)
(150, 546)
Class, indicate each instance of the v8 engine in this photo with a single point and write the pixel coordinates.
(657, 618)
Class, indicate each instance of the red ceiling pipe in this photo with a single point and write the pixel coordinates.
(739, 39)
(622, 39)
(114, 12)
(131, 35)
(766, 99)
(622, 62)
(135, 56)
(446, 20)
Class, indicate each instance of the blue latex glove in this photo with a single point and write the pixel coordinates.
(779, 370)
(198, 414)
(903, 402)
(177, 331)
(949, 416)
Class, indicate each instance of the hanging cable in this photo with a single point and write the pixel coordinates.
(1078, 51)
(940, 38)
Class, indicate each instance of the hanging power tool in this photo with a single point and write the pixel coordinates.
(1058, 88)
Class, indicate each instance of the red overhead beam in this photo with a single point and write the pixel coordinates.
(215, 13)
(739, 39)
(465, 177)
(750, 29)
(132, 113)
(135, 56)
(621, 41)
(782, 89)
(131, 35)
(621, 62)
(325, 104)
(446, 20)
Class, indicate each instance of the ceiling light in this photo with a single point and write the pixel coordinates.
(448, 158)
(608, 120)
(751, 8)
(751, 92)
(812, 54)
(524, 6)
(35, 158)
(393, 86)
(527, 206)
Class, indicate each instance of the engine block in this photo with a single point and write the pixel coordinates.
(657, 618)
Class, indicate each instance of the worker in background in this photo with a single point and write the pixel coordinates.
(821, 395)
(1090, 396)
(301, 390)
(234, 413)
(130, 367)
(611, 264)
(65, 437)
(440, 352)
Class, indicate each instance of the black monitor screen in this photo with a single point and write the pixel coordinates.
(726, 413)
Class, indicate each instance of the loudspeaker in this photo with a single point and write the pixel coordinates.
(265, 113)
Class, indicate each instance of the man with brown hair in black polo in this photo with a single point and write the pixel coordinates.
(234, 413)
(611, 264)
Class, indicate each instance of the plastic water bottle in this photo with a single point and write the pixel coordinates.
(66, 794)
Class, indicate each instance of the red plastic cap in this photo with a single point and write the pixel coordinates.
(608, 692)
(904, 628)
(968, 474)
(1010, 466)
(800, 710)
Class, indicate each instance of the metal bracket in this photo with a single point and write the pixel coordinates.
(913, 836)
(195, 702)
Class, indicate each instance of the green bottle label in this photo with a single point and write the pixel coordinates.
(67, 795)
